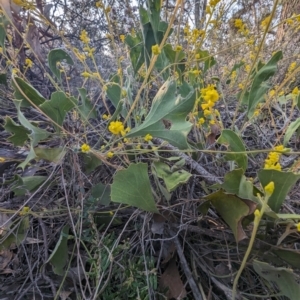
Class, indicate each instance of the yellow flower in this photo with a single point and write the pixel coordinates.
(148, 137)
(212, 122)
(213, 3)
(105, 117)
(292, 67)
(298, 226)
(110, 154)
(99, 4)
(197, 56)
(116, 127)
(125, 140)
(295, 91)
(84, 37)
(28, 62)
(206, 113)
(238, 23)
(155, 50)
(178, 48)
(201, 121)
(85, 148)
(269, 188)
(86, 74)
(122, 38)
(256, 213)
(25, 210)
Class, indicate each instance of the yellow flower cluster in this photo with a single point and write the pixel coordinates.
(210, 96)
(85, 148)
(117, 127)
(242, 28)
(269, 188)
(28, 62)
(84, 37)
(272, 161)
(148, 137)
(155, 50)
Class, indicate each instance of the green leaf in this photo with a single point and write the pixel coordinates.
(57, 107)
(24, 91)
(233, 210)
(59, 255)
(284, 279)
(86, 109)
(27, 184)
(290, 131)
(36, 134)
(283, 182)
(259, 87)
(136, 51)
(132, 187)
(91, 162)
(50, 154)
(55, 56)
(101, 193)
(18, 231)
(292, 257)
(20, 133)
(3, 24)
(172, 179)
(235, 144)
(170, 105)
(236, 183)
(31, 155)
(114, 91)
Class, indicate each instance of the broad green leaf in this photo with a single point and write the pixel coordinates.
(17, 233)
(101, 193)
(292, 257)
(284, 279)
(50, 154)
(136, 51)
(57, 107)
(114, 91)
(20, 133)
(132, 187)
(25, 92)
(283, 182)
(86, 109)
(233, 210)
(31, 155)
(59, 255)
(172, 179)
(236, 183)
(291, 130)
(91, 162)
(36, 134)
(27, 184)
(170, 105)
(55, 56)
(235, 144)
(259, 87)
(3, 24)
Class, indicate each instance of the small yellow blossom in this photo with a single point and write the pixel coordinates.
(85, 148)
(207, 113)
(265, 22)
(196, 72)
(298, 226)
(122, 38)
(213, 3)
(110, 154)
(28, 62)
(201, 121)
(84, 37)
(238, 23)
(155, 50)
(25, 210)
(105, 117)
(125, 140)
(178, 48)
(256, 213)
(148, 137)
(295, 91)
(116, 127)
(138, 147)
(212, 122)
(86, 74)
(197, 56)
(269, 188)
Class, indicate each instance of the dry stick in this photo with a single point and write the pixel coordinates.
(186, 269)
(193, 164)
